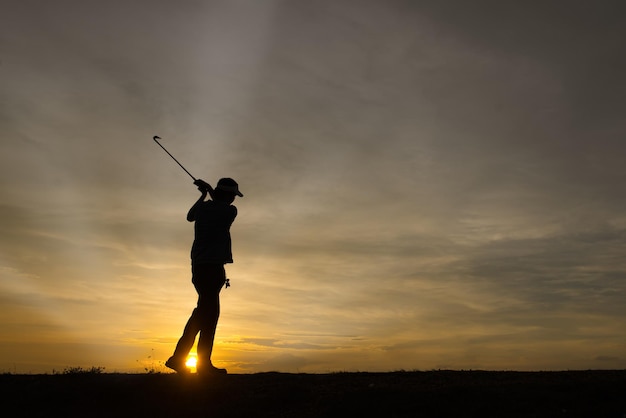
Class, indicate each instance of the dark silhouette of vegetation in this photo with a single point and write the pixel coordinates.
(395, 394)
(80, 370)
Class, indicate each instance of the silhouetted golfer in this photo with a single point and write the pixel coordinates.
(210, 251)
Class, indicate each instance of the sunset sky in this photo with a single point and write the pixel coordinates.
(428, 184)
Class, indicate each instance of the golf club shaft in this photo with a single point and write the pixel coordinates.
(168, 153)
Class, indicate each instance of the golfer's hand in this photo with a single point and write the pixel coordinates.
(203, 186)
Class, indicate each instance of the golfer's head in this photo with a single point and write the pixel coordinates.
(227, 189)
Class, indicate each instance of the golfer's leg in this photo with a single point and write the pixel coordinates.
(185, 343)
(207, 333)
(209, 307)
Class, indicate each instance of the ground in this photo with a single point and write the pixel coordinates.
(395, 394)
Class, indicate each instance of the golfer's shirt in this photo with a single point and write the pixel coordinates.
(212, 243)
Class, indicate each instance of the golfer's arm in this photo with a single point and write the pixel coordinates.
(191, 215)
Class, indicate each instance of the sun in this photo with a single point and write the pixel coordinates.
(191, 362)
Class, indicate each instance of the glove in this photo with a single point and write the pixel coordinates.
(203, 186)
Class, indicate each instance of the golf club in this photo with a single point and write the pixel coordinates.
(168, 153)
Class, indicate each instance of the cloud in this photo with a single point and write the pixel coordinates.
(286, 362)
(607, 359)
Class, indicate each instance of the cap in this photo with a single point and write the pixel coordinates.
(228, 185)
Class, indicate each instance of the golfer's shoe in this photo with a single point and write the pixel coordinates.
(211, 370)
(178, 365)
